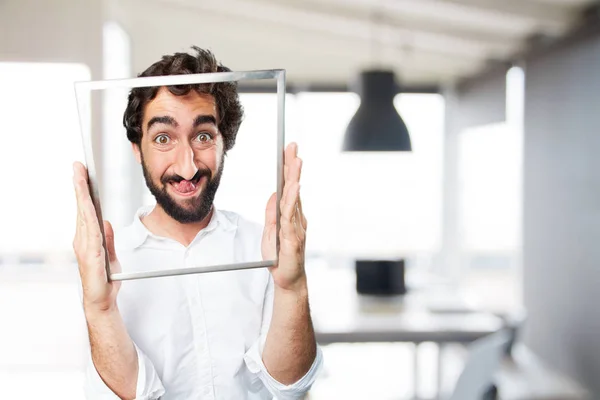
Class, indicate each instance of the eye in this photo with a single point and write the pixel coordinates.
(162, 139)
(204, 137)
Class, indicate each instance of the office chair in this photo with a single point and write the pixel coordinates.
(476, 381)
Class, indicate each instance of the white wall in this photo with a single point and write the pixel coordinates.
(478, 102)
(562, 209)
(54, 31)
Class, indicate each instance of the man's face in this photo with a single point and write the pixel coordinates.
(181, 153)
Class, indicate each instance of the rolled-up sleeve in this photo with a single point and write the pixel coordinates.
(149, 386)
(296, 390)
(254, 362)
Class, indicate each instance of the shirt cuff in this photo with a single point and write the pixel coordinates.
(296, 390)
(149, 386)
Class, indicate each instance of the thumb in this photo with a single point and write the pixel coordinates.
(109, 234)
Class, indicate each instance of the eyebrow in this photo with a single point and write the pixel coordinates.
(204, 119)
(166, 120)
(162, 120)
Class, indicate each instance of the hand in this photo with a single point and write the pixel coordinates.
(289, 273)
(99, 295)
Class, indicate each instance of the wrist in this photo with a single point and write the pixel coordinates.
(97, 312)
(298, 290)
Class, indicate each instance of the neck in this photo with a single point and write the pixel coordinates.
(161, 224)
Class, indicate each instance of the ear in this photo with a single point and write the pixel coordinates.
(137, 152)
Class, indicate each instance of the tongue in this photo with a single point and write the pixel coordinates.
(184, 186)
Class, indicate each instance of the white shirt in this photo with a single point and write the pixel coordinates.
(198, 336)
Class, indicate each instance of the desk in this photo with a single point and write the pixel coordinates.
(425, 314)
(402, 326)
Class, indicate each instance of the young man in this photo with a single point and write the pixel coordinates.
(229, 335)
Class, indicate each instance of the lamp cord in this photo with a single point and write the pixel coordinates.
(376, 52)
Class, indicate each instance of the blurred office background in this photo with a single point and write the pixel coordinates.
(495, 211)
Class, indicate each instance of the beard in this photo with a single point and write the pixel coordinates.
(190, 210)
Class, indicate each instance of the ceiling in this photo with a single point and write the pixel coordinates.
(327, 42)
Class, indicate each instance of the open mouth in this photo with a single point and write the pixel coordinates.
(185, 187)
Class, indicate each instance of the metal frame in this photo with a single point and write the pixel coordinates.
(295, 88)
(82, 93)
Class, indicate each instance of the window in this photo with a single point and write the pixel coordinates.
(37, 222)
(41, 140)
(490, 205)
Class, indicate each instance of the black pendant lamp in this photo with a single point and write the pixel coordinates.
(377, 126)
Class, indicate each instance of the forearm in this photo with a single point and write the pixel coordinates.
(290, 348)
(113, 352)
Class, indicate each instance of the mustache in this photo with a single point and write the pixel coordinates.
(197, 176)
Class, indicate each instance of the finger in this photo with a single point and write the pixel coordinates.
(301, 213)
(290, 155)
(78, 176)
(300, 231)
(80, 225)
(300, 218)
(84, 198)
(291, 171)
(271, 211)
(298, 168)
(79, 172)
(284, 192)
(88, 212)
(294, 171)
(288, 208)
(109, 234)
(89, 218)
(78, 217)
(291, 151)
(79, 167)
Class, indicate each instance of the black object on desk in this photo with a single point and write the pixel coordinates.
(380, 277)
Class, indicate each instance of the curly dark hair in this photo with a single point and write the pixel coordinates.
(226, 97)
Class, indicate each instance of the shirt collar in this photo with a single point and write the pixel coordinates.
(139, 232)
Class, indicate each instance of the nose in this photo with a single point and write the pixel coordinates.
(185, 165)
